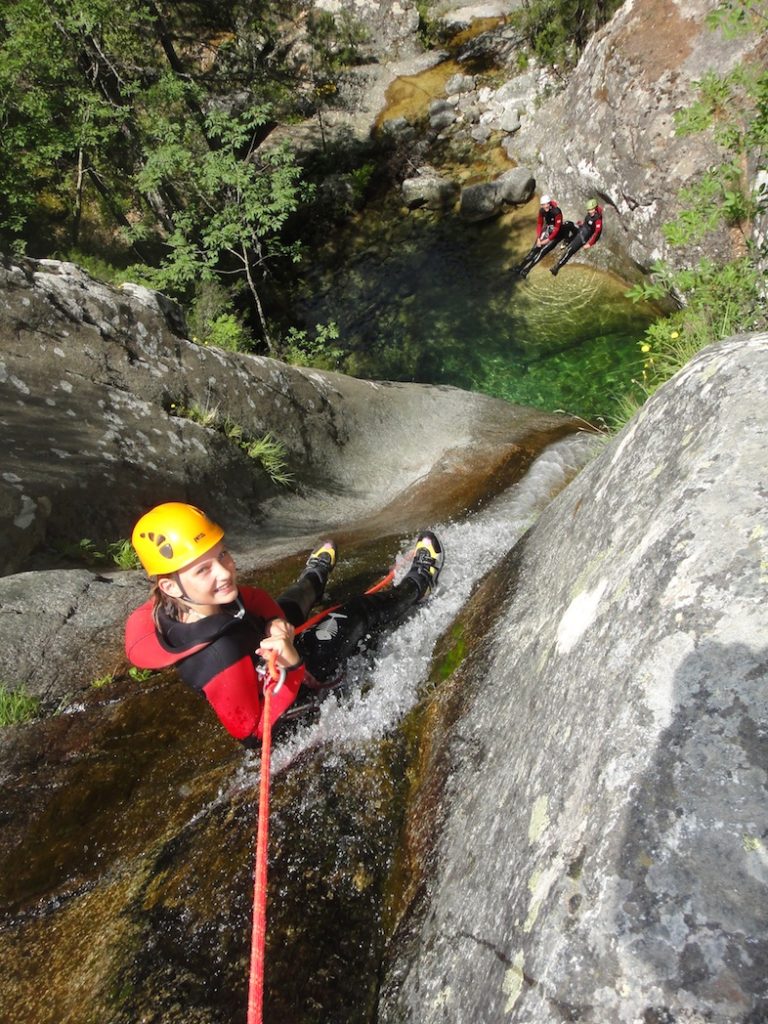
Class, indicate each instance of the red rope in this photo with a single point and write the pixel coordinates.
(259, 924)
(259, 928)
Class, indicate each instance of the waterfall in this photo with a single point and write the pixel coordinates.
(382, 689)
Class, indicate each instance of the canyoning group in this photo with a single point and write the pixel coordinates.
(552, 230)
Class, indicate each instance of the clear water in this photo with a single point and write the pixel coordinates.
(430, 298)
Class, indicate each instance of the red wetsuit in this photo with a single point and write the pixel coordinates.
(216, 656)
(548, 231)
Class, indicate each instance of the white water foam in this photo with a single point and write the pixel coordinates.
(382, 689)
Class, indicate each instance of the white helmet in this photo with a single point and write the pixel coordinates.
(545, 199)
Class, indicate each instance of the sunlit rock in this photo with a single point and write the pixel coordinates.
(598, 851)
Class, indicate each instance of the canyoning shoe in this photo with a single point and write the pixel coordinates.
(321, 562)
(553, 270)
(427, 562)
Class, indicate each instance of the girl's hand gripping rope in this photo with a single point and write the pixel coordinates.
(278, 651)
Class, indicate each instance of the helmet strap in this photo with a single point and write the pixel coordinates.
(188, 600)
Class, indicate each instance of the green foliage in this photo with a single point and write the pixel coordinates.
(556, 31)
(206, 415)
(361, 178)
(101, 681)
(100, 269)
(270, 453)
(719, 300)
(716, 300)
(227, 332)
(17, 706)
(266, 450)
(238, 196)
(334, 43)
(430, 31)
(735, 107)
(67, 79)
(319, 351)
(140, 675)
(735, 17)
(213, 321)
(103, 118)
(121, 552)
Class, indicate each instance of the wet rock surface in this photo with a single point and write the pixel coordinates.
(600, 850)
(94, 382)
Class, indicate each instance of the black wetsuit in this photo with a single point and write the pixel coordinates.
(587, 233)
(327, 644)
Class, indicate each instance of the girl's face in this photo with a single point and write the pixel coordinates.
(209, 582)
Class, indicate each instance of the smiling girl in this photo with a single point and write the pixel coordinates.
(217, 633)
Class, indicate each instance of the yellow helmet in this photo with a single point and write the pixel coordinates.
(171, 536)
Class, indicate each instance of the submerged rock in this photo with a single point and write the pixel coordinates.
(488, 199)
(429, 189)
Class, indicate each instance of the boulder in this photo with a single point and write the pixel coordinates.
(488, 199)
(429, 189)
(588, 841)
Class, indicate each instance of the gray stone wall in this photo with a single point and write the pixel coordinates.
(601, 852)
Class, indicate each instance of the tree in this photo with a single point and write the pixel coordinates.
(110, 100)
(333, 47)
(237, 196)
(69, 76)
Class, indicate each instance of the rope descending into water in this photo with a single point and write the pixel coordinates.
(259, 928)
(259, 924)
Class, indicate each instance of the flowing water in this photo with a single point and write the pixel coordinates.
(384, 691)
(127, 845)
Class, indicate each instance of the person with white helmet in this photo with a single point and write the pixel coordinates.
(219, 635)
(549, 227)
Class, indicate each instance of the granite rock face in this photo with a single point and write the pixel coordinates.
(611, 131)
(601, 835)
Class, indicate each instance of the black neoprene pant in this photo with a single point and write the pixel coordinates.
(573, 247)
(346, 630)
(537, 252)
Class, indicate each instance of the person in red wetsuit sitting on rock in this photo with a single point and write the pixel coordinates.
(549, 227)
(588, 232)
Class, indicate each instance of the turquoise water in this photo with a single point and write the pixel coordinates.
(428, 298)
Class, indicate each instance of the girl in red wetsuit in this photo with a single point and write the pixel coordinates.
(217, 633)
(548, 234)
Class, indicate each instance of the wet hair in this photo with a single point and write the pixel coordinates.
(173, 607)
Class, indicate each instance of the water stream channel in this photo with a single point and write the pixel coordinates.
(127, 845)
